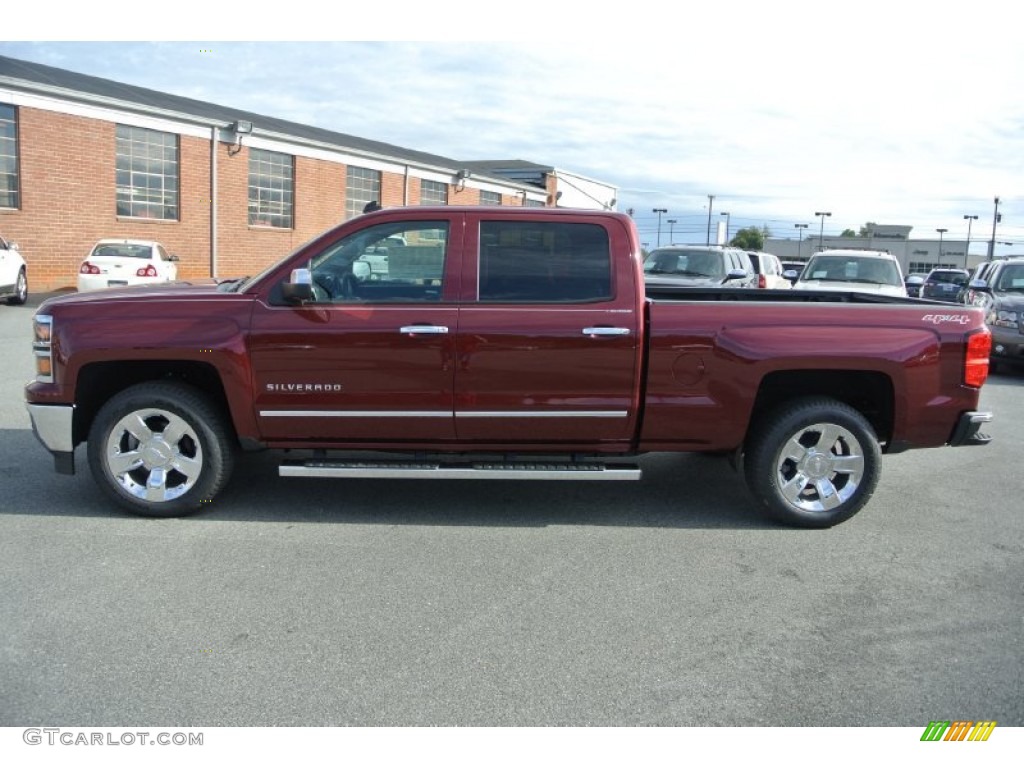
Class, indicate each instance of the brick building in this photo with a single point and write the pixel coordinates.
(228, 191)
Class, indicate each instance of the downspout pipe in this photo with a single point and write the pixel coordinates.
(214, 136)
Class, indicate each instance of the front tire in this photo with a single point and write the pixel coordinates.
(21, 289)
(813, 463)
(161, 449)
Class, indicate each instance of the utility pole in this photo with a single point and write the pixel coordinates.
(992, 242)
(800, 229)
(659, 211)
(821, 232)
(711, 203)
(967, 250)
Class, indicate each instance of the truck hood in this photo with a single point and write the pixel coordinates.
(682, 281)
(836, 285)
(179, 289)
(1009, 301)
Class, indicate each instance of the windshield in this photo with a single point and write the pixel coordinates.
(852, 269)
(690, 263)
(124, 250)
(1011, 279)
(948, 276)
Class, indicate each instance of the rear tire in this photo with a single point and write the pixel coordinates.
(813, 462)
(161, 449)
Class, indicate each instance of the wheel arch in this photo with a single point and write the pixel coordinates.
(97, 382)
(869, 392)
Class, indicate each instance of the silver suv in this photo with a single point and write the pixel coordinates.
(700, 265)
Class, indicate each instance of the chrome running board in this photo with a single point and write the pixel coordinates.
(482, 470)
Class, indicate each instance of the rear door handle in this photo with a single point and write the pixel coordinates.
(424, 330)
(605, 331)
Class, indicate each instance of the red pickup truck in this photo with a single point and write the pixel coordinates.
(513, 343)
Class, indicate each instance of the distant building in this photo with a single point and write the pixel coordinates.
(919, 256)
(227, 191)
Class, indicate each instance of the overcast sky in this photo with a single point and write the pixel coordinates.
(777, 109)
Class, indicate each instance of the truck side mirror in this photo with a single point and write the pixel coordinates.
(979, 285)
(299, 287)
(791, 275)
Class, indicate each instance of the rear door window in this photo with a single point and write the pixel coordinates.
(543, 262)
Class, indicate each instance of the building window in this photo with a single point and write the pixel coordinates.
(8, 157)
(490, 198)
(433, 193)
(535, 203)
(362, 186)
(147, 173)
(271, 189)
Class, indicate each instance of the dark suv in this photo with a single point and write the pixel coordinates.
(1001, 293)
(944, 284)
(700, 265)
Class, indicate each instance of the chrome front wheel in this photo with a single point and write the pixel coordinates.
(154, 455)
(161, 449)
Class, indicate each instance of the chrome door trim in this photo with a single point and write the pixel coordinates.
(541, 414)
(358, 414)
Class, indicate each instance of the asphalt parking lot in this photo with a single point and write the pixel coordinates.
(665, 602)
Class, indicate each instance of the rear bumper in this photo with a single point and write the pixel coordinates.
(968, 428)
(52, 424)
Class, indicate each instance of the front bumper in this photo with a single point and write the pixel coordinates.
(968, 428)
(52, 424)
(1007, 344)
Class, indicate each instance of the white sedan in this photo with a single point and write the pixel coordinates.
(13, 274)
(116, 263)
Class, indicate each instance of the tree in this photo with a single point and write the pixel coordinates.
(867, 229)
(849, 233)
(750, 238)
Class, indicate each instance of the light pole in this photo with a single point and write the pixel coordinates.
(800, 241)
(992, 242)
(659, 211)
(711, 202)
(726, 214)
(821, 232)
(671, 223)
(941, 231)
(967, 250)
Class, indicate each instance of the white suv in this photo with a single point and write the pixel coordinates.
(13, 274)
(769, 270)
(850, 270)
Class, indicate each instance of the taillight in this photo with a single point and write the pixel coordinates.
(149, 271)
(89, 269)
(762, 281)
(976, 360)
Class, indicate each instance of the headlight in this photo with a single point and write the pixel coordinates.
(42, 334)
(1004, 318)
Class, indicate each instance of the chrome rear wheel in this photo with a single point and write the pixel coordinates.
(813, 463)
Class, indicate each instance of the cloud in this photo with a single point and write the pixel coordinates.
(896, 116)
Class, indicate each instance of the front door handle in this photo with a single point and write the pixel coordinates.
(424, 330)
(605, 331)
